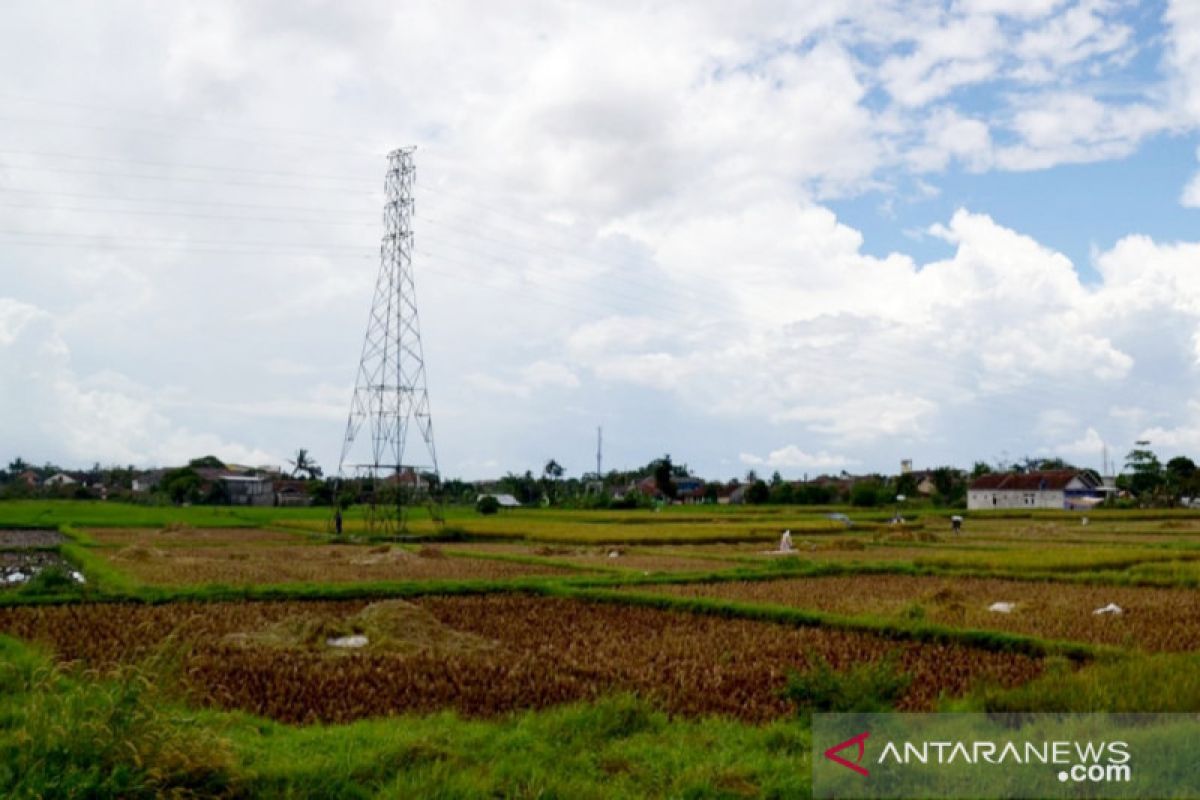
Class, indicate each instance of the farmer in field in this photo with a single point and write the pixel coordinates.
(956, 524)
(785, 542)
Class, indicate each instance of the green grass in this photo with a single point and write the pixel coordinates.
(70, 735)
(618, 747)
(1136, 683)
(89, 513)
(677, 524)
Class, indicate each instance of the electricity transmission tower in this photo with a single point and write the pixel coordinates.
(390, 392)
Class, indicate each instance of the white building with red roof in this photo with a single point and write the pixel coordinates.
(1054, 489)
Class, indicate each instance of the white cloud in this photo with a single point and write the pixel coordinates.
(861, 350)
(950, 136)
(542, 374)
(526, 382)
(48, 409)
(1132, 417)
(1183, 52)
(791, 456)
(1085, 450)
(1025, 9)
(1056, 422)
(958, 52)
(15, 316)
(1142, 275)
(1172, 440)
(866, 418)
(1191, 193)
(1081, 32)
(1072, 127)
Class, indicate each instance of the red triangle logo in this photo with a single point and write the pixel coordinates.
(832, 753)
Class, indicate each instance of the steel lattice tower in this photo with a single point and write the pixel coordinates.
(390, 392)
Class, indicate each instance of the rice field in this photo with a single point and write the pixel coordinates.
(1153, 619)
(645, 560)
(187, 536)
(486, 655)
(540, 615)
(281, 563)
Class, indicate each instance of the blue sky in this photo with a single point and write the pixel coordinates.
(805, 237)
(1073, 208)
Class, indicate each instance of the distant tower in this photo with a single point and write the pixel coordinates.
(599, 452)
(389, 391)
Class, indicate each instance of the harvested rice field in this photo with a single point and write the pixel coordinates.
(188, 536)
(1154, 619)
(485, 655)
(612, 557)
(249, 564)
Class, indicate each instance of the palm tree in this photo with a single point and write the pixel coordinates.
(302, 463)
(551, 474)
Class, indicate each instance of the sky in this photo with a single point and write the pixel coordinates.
(804, 237)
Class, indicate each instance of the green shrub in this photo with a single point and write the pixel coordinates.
(487, 505)
(66, 735)
(53, 581)
(1154, 683)
(871, 687)
(865, 494)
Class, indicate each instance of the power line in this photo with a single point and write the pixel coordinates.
(169, 201)
(186, 215)
(168, 240)
(868, 348)
(141, 112)
(176, 250)
(610, 291)
(185, 179)
(659, 288)
(471, 272)
(171, 135)
(506, 213)
(212, 167)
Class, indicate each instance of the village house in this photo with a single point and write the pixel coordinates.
(249, 490)
(1053, 489)
(688, 489)
(60, 479)
(503, 500)
(292, 493)
(243, 486)
(147, 481)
